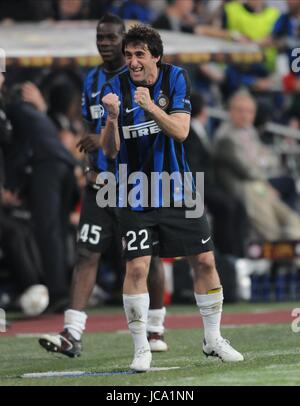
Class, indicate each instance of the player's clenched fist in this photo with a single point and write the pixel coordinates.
(142, 98)
(111, 103)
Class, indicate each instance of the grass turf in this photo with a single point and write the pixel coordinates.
(272, 357)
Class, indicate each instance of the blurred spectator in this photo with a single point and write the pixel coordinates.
(97, 8)
(241, 166)
(286, 32)
(250, 21)
(31, 94)
(229, 217)
(47, 188)
(286, 37)
(26, 10)
(71, 9)
(280, 4)
(139, 10)
(63, 108)
(178, 16)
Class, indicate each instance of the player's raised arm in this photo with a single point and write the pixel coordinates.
(174, 125)
(110, 138)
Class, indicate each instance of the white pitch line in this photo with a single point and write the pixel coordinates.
(71, 374)
(52, 374)
(155, 369)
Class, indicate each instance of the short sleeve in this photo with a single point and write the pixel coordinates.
(85, 103)
(180, 102)
(280, 27)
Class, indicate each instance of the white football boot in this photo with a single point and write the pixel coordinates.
(221, 348)
(142, 360)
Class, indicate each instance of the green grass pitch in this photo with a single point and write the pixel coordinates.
(272, 357)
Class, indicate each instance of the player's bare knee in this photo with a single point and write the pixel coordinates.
(86, 259)
(203, 263)
(137, 270)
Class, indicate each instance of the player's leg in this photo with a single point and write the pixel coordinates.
(209, 299)
(136, 230)
(68, 341)
(83, 282)
(95, 232)
(190, 237)
(84, 278)
(136, 306)
(157, 311)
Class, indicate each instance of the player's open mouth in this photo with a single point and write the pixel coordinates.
(136, 70)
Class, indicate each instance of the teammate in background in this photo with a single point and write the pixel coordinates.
(98, 227)
(146, 132)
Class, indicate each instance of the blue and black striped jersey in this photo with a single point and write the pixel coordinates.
(92, 109)
(144, 146)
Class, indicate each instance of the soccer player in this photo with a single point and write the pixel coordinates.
(146, 120)
(98, 227)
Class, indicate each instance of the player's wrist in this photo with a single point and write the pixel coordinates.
(112, 117)
(151, 108)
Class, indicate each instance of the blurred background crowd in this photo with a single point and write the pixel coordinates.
(245, 134)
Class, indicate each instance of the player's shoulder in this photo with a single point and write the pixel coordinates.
(124, 72)
(93, 71)
(114, 83)
(176, 75)
(89, 78)
(172, 70)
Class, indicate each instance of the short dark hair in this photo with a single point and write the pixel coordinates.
(112, 19)
(143, 34)
(197, 103)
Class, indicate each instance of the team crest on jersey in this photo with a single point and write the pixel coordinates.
(163, 101)
(97, 111)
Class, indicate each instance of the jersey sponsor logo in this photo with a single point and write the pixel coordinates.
(97, 111)
(130, 110)
(140, 130)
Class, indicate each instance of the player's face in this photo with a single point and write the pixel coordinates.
(109, 41)
(141, 63)
(242, 112)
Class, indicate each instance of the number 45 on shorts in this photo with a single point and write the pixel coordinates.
(90, 233)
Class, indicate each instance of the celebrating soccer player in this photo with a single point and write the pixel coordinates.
(146, 120)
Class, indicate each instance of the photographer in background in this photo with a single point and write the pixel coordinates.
(20, 256)
(42, 170)
(5, 134)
